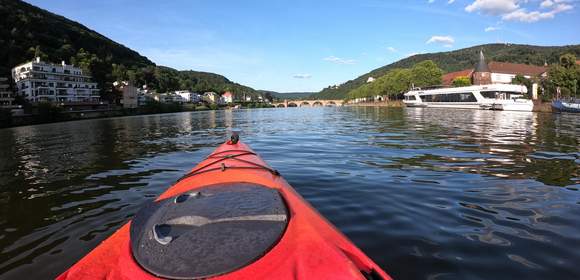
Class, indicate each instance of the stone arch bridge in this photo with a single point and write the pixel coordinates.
(308, 103)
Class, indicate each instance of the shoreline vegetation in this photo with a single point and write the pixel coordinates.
(48, 113)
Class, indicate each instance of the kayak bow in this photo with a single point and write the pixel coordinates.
(231, 217)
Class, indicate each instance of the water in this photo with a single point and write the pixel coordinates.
(426, 193)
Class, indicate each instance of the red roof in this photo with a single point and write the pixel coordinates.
(449, 77)
(227, 93)
(515, 69)
(578, 62)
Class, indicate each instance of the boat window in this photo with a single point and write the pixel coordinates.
(500, 94)
(489, 94)
(451, 97)
(410, 98)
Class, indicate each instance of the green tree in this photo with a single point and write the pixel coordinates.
(568, 60)
(100, 69)
(426, 73)
(461, 81)
(564, 78)
(119, 72)
(37, 52)
(166, 79)
(48, 112)
(65, 52)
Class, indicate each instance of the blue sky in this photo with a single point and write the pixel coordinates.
(306, 45)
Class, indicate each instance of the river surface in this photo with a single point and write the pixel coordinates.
(426, 193)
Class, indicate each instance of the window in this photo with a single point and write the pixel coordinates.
(500, 94)
(489, 94)
(451, 97)
(410, 98)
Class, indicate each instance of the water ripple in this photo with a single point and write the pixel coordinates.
(428, 194)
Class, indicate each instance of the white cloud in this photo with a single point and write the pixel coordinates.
(493, 7)
(450, 1)
(520, 10)
(523, 15)
(302, 76)
(446, 40)
(392, 49)
(431, 1)
(491, 29)
(339, 60)
(547, 4)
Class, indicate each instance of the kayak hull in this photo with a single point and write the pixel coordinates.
(310, 248)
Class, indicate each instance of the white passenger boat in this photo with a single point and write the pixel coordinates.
(491, 97)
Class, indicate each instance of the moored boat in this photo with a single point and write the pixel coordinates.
(230, 217)
(566, 105)
(491, 97)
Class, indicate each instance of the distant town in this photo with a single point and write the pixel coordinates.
(68, 89)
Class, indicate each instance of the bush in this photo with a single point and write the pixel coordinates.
(461, 81)
(47, 112)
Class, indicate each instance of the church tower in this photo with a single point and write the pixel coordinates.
(482, 74)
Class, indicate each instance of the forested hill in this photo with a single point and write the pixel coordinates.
(23, 27)
(459, 60)
(27, 31)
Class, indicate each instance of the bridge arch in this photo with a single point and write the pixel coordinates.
(317, 104)
(281, 105)
(305, 103)
(292, 104)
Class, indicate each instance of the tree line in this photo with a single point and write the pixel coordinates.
(397, 81)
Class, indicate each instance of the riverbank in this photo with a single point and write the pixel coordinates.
(65, 116)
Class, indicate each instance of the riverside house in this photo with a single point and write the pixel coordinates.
(39, 81)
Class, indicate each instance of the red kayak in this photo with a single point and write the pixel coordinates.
(231, 217)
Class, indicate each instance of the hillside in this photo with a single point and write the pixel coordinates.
(461, 59)
(26, 31)
(24, 26)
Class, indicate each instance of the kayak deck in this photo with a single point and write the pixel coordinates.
(303, 245)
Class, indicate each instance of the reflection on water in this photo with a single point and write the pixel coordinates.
(427, 193)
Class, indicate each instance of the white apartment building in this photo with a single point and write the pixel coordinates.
(39, 81)
(6, 98)
(169, 98)
(189, 96)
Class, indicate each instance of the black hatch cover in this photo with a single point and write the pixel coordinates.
(211, 231)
